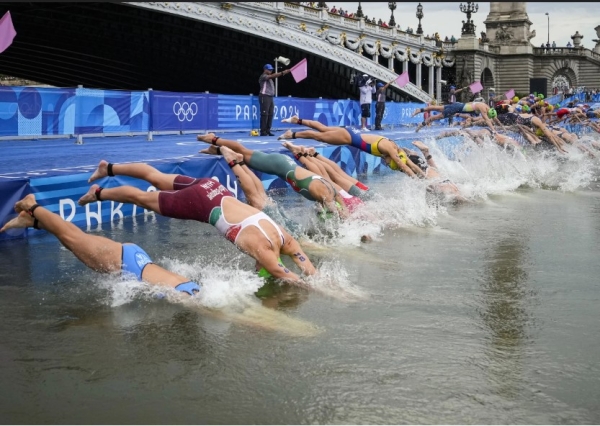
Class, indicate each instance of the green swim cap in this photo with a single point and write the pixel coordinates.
(526, 108)
(492, 113)
(263, 273)
(326, 214)
(541, 96)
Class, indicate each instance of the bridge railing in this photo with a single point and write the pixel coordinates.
(566, 51)
(33, 112)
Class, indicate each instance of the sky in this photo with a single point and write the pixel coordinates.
(446, 18)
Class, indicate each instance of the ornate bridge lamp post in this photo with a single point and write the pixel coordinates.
(419, 17)
(359, 12)
(468, 27)
(392, 7)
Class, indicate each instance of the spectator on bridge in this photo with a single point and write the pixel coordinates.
(265, 98)
(569, 45)
(453, 39)
(553, 45)
(380, 105)
(379, 22)
(446, 40)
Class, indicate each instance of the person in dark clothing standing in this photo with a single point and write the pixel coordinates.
(380, 105)
(265, 98)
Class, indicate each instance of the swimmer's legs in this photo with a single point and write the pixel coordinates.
(256, 197)
(122, 194)
(162, 181)
(98, 253)
(233, 145)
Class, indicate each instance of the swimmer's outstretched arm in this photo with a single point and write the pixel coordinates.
(293, 249)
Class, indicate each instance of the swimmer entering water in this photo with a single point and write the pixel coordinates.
(98, 253)
(379, 146)
(206, 200)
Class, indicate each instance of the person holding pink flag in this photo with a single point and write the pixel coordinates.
(265, 97)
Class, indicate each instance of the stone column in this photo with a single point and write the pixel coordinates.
(419, 76)
(405, 66)
(430, 91)
(438, 80)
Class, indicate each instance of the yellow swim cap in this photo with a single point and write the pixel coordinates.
(539, 132)
(515, 99)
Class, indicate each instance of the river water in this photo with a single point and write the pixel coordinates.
(485, 312)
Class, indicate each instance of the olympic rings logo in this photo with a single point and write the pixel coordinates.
(185, 111)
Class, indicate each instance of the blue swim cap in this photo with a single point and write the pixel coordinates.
(268, 67)
(453, 87)
(380, 84)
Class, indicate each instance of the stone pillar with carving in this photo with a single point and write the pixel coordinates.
(597, 47)
(507, 27)
(419, 75)
(576, 39)
(405, 66)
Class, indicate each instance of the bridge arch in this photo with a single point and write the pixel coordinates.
(487, 80)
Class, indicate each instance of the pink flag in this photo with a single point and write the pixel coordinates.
(402, 79)
(300, 70)
(476, 87)
(7, 32)
(510, 94)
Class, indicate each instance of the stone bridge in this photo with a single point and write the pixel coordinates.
(215, 47)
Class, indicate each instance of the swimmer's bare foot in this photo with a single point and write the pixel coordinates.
(311, 151)
(295, 149)
(89, 197)
(19, 222)
(25, 204)
(212, 150)
(422, 147)
(206, 138)
(419, 127)
(287, 135)
(230, 155)
(417, 112)
(101, 171)
(294, 120)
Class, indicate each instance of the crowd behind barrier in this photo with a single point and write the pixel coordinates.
(51, 112)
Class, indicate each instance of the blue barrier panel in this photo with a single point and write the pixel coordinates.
(11, 191)
(228, 112)
(400, 113)
(32, 111)
(111, 111)
(172, 111)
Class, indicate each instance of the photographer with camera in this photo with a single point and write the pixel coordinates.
(366, 86)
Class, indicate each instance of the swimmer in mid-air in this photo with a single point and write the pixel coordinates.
(98, 253)
(308, 184)
(380, 146)
(206, 200)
